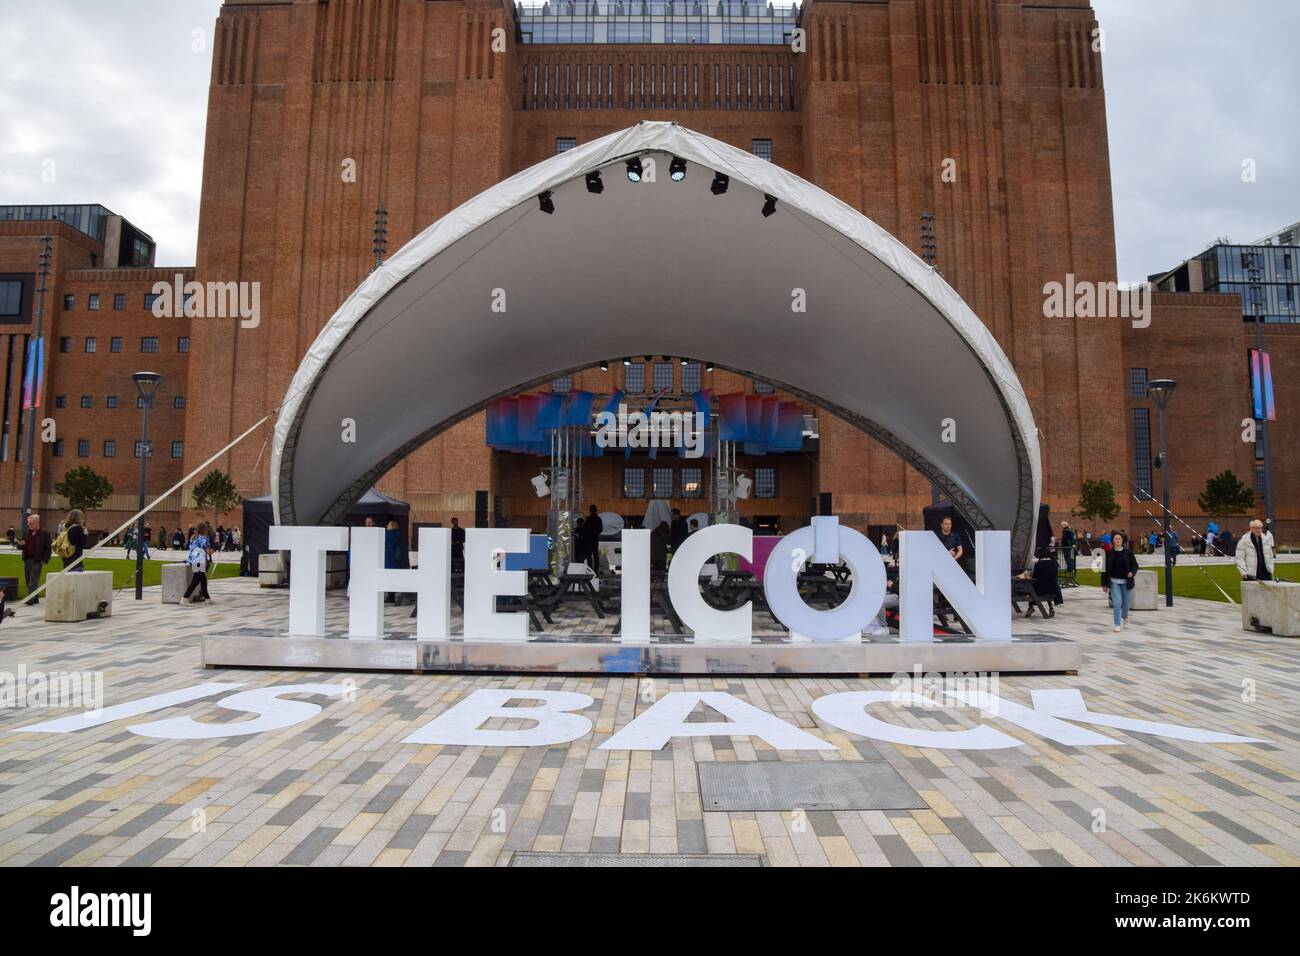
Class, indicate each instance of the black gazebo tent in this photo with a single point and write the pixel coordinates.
(259, 515)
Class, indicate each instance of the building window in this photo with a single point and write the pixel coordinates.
(763, 388)
(692, 377)
(110, 401)
(765, 482)
(119, 301)
(562, 385)
(149, 299)
(564, 143)
(11, 297)
(87, 401)
(178, 401)
(183, 344)
(92, 302)
(139, 401)
(634, 377)
(633, 482)
(178, 449)
(662, 482)
(149, 343)
(115, 344)
(139, 448)
(91, 344)
(762, 148)
(65, 343)
(1259, 477)
(83, 447)
(58, 448)
(692, 483)
(69, 303)
(1142, 449)
(663, 376)
(1137, 382)
(60, 401)
(110, 448)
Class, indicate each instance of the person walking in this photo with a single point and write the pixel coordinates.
(70, 545)
(1255, 556)
(198, 558)
(1119, 577)
(1069, 540)
(393, 557)
(37, 548)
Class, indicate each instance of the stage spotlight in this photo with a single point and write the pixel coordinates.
(545, 204)
(677, 169)
(604, 366)
(685, 362)
(627, 362)
(649, 359)
(720, 183)
(709, 367)
(594, 185)
(743, 486)
(769, 205)
(634, 170)
(540, 486)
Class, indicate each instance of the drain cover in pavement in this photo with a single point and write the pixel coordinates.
(634, 859)
(806, 785)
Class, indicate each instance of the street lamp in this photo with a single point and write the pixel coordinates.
(146, 384)
(1161, 390)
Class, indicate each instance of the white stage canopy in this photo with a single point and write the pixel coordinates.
(658, 268)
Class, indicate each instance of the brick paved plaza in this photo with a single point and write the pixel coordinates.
(341, 788)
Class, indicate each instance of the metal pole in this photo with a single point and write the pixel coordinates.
(1164, 481)
(1262, 428)
(30, 451)
(139, 530)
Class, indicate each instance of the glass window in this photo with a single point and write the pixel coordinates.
(65, 343)
(178, 401)
(110, 401)
(1142, 449)
(91, 345)
(634, 377)
(83, 447)
(110, 448)
(139, 401)
(60, 401)
(633, 482)
(692, 483)
(11, 297)
(763, 388)
(139, 447)
(663, 376)
(563, 144)
(58, 448)
(149, 299)
(87, 401)
(178, 449)
(764, 482)
(119, 302)
(69, 303)
(1137, 382)
(93, 302)
(183, 344)
(563, 384)
(692, 377)
(662, 482)
(149, 343)
(762, 148)
(115, 344)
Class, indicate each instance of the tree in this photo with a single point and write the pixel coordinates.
(1096, 500)
(215, 492)
(1226, 494)
(85, 488)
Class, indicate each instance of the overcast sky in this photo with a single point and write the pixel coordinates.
(113, 94)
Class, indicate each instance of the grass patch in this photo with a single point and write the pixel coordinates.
(1196, 581)
(11, 566)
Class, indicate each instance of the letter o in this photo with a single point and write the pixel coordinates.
(781, 586)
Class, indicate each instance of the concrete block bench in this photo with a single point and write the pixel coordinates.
(1146, 592)
(1271, 604)
(77, 595)
(176, 577)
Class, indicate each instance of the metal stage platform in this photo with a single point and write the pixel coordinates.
(1029, 653)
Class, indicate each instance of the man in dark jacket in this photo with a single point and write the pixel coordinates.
(37, 548)
(592, 529)
(679, 532)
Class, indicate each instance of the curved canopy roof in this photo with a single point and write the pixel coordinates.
(664, 268)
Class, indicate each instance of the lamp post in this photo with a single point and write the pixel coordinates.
(1161, 390)
(1257, 312)
(146, 384)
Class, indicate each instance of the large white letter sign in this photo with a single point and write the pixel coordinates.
(634, 604)
(1068, 704)
(483, 582)
(273, 713)
(133, 708)
(370, 580)
(666, 719)
(710, 625)
(460, 723)
(826, 542)
(307, 547)
(847, 711)
(985, 606)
